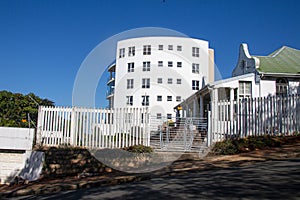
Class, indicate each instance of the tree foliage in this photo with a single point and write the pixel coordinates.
(15, 108)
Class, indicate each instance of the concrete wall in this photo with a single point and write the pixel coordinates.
(16, 138)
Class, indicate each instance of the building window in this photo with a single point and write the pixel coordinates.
(178, 81)
(160, 47)
(146, 66)
(131, 51)
(158, 115)
(146, 83)
(195, 68)
(170, 64)
(145, 100)
(245, 89)
(178, 98)
(121, 52)
(195, 85)
(179, 48)
(195, 52)
(281, 87)
(130, 67)
(169, 98)
(147, 50)
(170, 80)
(169, 116)
(159, 80)
(179, 64)
(160, 63)
(170, 47)
(129, 83)
(129, 100)
(159, 98)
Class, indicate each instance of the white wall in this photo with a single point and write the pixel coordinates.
(16, 138)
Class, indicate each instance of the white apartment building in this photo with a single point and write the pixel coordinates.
(159, 72)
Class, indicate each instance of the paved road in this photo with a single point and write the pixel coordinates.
(263, 180)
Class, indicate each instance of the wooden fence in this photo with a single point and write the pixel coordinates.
(93, 128)
(255, 116)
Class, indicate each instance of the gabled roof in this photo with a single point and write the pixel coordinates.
(285, 60)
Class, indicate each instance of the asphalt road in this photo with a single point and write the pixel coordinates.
(262, 180)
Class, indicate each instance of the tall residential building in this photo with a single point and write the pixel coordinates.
(159, 72)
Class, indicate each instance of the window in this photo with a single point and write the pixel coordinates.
(178, 98)
(146, 66)
(195, 85)
(147, 50)
(178, 81)
(170, 47)
(159, 80)
(130, 67)
(245, 89)
(169, 98)
(195, 52)
(129, 83)
(159, 98)
(170, 80)
(179, 64)
(131, 51)
(158, 115)
(121, 52)
(160, 63)
(195, 68)
(160, 47)
(169, 116)
(146, 83)
(170, 64)
(129, 100)
(179, 48)
(281, 87)
(145, 100)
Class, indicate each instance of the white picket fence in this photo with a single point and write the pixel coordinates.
(93, 128)
(255, 116)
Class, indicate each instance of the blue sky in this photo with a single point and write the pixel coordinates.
(44, 42)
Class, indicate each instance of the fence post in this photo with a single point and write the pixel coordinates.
(39, 127)
(73, 127)
(209, 123)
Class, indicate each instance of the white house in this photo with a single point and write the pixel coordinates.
(159, 72)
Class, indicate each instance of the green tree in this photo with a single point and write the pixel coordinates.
(15, 108)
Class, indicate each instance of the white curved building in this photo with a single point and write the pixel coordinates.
(159, 72)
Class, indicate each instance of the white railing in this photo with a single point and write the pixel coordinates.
(272, 115)
(93, 128)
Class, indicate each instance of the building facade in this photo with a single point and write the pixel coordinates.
(159, 72)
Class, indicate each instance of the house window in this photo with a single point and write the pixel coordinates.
(160, 47)
(147, 50)
(131, 51)
(179, 48)
(169, 98)
(195, 85)
(170, 47)
(179, 64)
(130, 67)
(158, 115)
(195, 52)
(159, 98)
(129, 83)
(146, 66)
(145, 100)
(169, 116)
(245, 89)
(146, 83)
(178, 81)
(170, 80)
(129, 100)
(170, 64)
(195, 68)
(178, 98)
(160, 63)
(121, 52)
(159, 80)
(281, 87)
